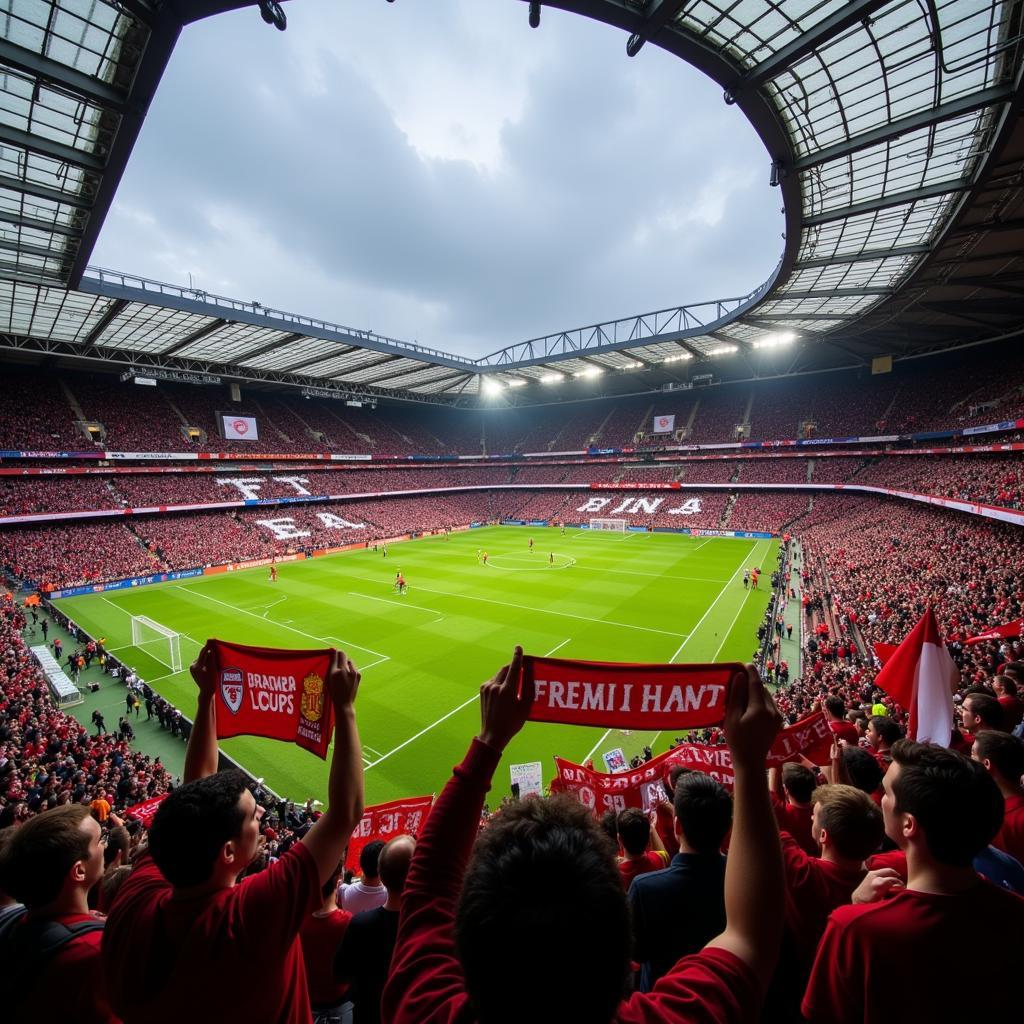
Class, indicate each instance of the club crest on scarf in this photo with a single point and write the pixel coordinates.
(232, 688)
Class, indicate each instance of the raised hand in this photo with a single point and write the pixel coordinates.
(342, 680)
(503, 709)
(752, 720)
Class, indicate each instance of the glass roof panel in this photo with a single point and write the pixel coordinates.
(385, 371)
(31, 311)
(144, 328)
(229, 341)
(298, 351)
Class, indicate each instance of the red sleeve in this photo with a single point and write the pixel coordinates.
(796, 863)
(835, 992)
(272, 904)
(426, 982)
(712, 987)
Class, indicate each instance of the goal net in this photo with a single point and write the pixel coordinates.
(159, 642)
(618, 525)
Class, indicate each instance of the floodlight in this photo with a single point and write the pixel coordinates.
(775, 339)
(534, 15)
(272, 14)
(590, 371)
(517, 383)
(492, 387)
(552, 378)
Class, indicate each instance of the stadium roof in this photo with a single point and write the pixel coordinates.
(893, 134)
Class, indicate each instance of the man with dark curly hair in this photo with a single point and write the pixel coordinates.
(544, 873)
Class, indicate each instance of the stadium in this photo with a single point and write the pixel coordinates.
(203, 499)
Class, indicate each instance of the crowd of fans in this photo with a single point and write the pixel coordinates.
(40, 414)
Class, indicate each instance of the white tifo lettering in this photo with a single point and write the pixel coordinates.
(690, 507)
(594, 505)
(334, 522)
(295, 481)
(249, 486)
(284, 528)
(680, 698)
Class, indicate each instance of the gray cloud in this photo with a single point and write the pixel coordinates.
(442, 173)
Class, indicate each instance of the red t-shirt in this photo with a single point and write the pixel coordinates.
(652, 860)
(814, 888)
(1010, 838)
(882, 962)
(664, 822)
(426, 984)
(320, 938)
(797, 822)
(1013, 711)
(70, 987)
(845, 731)
(231, 955)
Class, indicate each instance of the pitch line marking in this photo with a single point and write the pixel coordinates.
(392, 600)
(274, 604)
(291, 629)
(443, 718)
(548, 611)
(743, 604)
(721, 593)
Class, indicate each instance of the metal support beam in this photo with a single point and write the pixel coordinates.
(813, 39)
(262, 350)
(323, 357)
(773, 318)
(866, 255)
(27, 249)
(657, 14)
(53, 195)
(67, 79)
(37, 224)
(940, 188)
(905, 125)
(831, 293)
(200, 332)
(109, 314)
(47, 147)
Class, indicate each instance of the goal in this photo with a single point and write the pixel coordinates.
(159, 642)
(617, 525)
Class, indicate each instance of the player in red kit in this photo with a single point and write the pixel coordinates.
(273, 574)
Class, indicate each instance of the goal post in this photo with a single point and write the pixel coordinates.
(159, 642)
(615, 525)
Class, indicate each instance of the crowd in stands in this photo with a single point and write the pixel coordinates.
(47, 759)
(754, 509)
(773, 471)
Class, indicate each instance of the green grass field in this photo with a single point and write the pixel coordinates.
(609, 597)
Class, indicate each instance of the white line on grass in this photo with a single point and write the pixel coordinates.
(443, 718)
(393, 600)
(593, 749)
(117, 606)
(547, 611)
(292, 629)
(274, 605)
(721, 593)
(379, 661)
(743, 604)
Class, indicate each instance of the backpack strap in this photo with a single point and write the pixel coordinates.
(27, 946)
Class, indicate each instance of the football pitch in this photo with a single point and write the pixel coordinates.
(605, 596)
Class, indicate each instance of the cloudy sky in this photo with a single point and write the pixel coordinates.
(441, 173)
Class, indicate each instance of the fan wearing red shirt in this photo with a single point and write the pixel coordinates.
(321, 934)
(185, 940)
(902, 958)
(50, 863)
(1003, 758)
(1013, 707)
(542, 872)
(796, 783)
(847, 828)
(635, 836)
(881, 734)
(835, 712)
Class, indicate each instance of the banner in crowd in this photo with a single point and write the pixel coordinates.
(1011, 629)
(643, 787)
(664, 424)
(278, 694)
(628, 696)
(528, 777)
(384, 821)
(811, 737)
(145, 811)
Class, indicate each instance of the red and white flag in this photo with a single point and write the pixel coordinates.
(921, 676)
(1015, 628)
